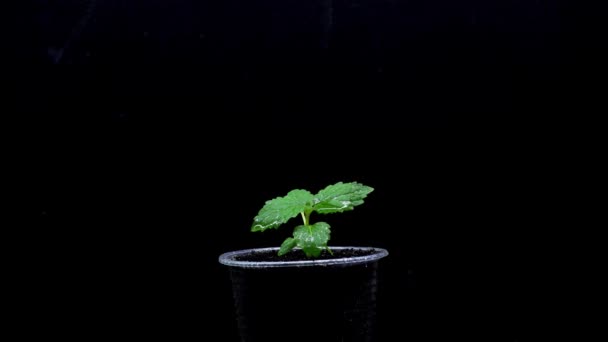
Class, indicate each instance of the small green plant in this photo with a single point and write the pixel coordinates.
(311, 238)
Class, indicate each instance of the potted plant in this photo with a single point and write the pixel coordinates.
(306, 290)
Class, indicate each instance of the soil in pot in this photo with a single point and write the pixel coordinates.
(298, 255)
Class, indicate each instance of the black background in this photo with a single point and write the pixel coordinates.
(152, 142)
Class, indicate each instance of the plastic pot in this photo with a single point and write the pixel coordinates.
(310, 300)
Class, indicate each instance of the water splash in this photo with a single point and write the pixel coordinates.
(328, 22)
(57, 54)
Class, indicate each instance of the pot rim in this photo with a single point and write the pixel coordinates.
(228, 258)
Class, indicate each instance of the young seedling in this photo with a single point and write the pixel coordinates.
(311, 238)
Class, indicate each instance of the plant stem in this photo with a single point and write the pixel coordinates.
(305, 216)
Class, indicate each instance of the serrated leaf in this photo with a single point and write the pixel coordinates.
(279, 210)
(313, 238)
(340, 197)
(287, 246)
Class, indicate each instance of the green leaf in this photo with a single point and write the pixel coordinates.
(287, 246)
(312, 238)
(279, 210)
(340, 197)
(312, 252)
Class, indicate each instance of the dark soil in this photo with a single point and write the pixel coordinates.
(298, 255)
